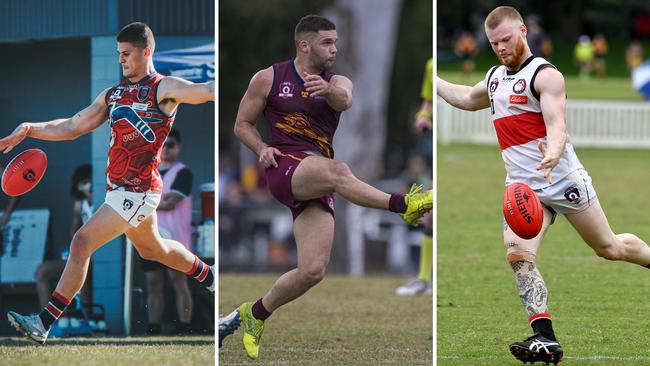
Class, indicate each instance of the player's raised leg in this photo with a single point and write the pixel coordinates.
(317, 176)
(593, 227)
(521, 254)
(314, 233)
(151, 246)
(104, 226)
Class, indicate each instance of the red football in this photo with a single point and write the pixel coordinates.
(523, 210)
(24, 172)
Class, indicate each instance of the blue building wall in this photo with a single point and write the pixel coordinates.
(57, 57)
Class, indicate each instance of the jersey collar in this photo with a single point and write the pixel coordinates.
(528, 60)
(144, 79)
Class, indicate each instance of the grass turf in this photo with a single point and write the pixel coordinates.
(342, 321)
(600, 308)
(140, 351)
(609, 88)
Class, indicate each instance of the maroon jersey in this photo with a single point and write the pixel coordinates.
(138, 130)
(298, 122)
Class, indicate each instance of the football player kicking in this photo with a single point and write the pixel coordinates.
(527, 98)
(141, 111)
(302, 102)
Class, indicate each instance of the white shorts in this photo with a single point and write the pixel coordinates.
(134, 207)
(571, 194)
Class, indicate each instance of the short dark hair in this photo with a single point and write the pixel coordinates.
(173, 133)
(312, 24)
(81, 173)
(138, 34)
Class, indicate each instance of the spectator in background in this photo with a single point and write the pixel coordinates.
(584, 56)
(600, 52)
(466, 49)
(634, 55)
(175, 222)
(49, 272)
(539, 42)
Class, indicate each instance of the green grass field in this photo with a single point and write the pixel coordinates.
(601, 309)
(342, 321)
(158, 351)
(611, 88)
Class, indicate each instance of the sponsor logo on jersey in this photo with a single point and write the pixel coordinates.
(140, 218)
(286, 89)
(518, 99)
(520, 86)
(572, 194)
(143, 93)
(127, 204)
(494, 84)
(140, 106)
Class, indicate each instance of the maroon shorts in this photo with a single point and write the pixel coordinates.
(279, 182)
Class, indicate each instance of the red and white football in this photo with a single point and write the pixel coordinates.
(24, 172)
(523, 210)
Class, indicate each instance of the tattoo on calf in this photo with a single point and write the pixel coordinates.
(531, 286)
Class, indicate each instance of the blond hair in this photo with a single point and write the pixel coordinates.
(501, 13)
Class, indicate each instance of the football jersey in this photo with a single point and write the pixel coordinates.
(520, 126)
(138, 130)
(296, 120)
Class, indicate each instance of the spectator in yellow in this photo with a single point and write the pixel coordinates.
(584, 56)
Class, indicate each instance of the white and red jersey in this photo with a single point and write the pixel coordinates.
(520, 126)
(138, 130)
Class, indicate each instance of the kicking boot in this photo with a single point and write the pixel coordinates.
(228, 325)
(417, 204)
(537, 348)
(253, 329)
(30, 325)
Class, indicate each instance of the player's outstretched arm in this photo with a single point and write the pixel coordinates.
(184, 91)
(469, 98)
(250, 108)
(337, 92)
(60, 129)
(552, 99)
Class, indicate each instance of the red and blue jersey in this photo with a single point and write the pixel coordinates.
(138, 130)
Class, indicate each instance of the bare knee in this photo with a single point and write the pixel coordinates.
(80, 247)
(153, 252)
(518, 258)
(311, 275)
(609, 252)
(340, 173)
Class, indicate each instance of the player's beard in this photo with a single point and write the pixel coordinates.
(321, 63)
(515, 56)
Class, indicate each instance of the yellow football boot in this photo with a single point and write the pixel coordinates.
(418, 203)
(253, 329)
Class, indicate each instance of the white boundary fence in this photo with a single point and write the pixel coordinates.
(589, 123)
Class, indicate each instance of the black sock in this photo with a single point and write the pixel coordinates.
(544, 326)
(201, 272)
(53, 310)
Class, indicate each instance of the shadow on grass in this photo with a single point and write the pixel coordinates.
(139, 341)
